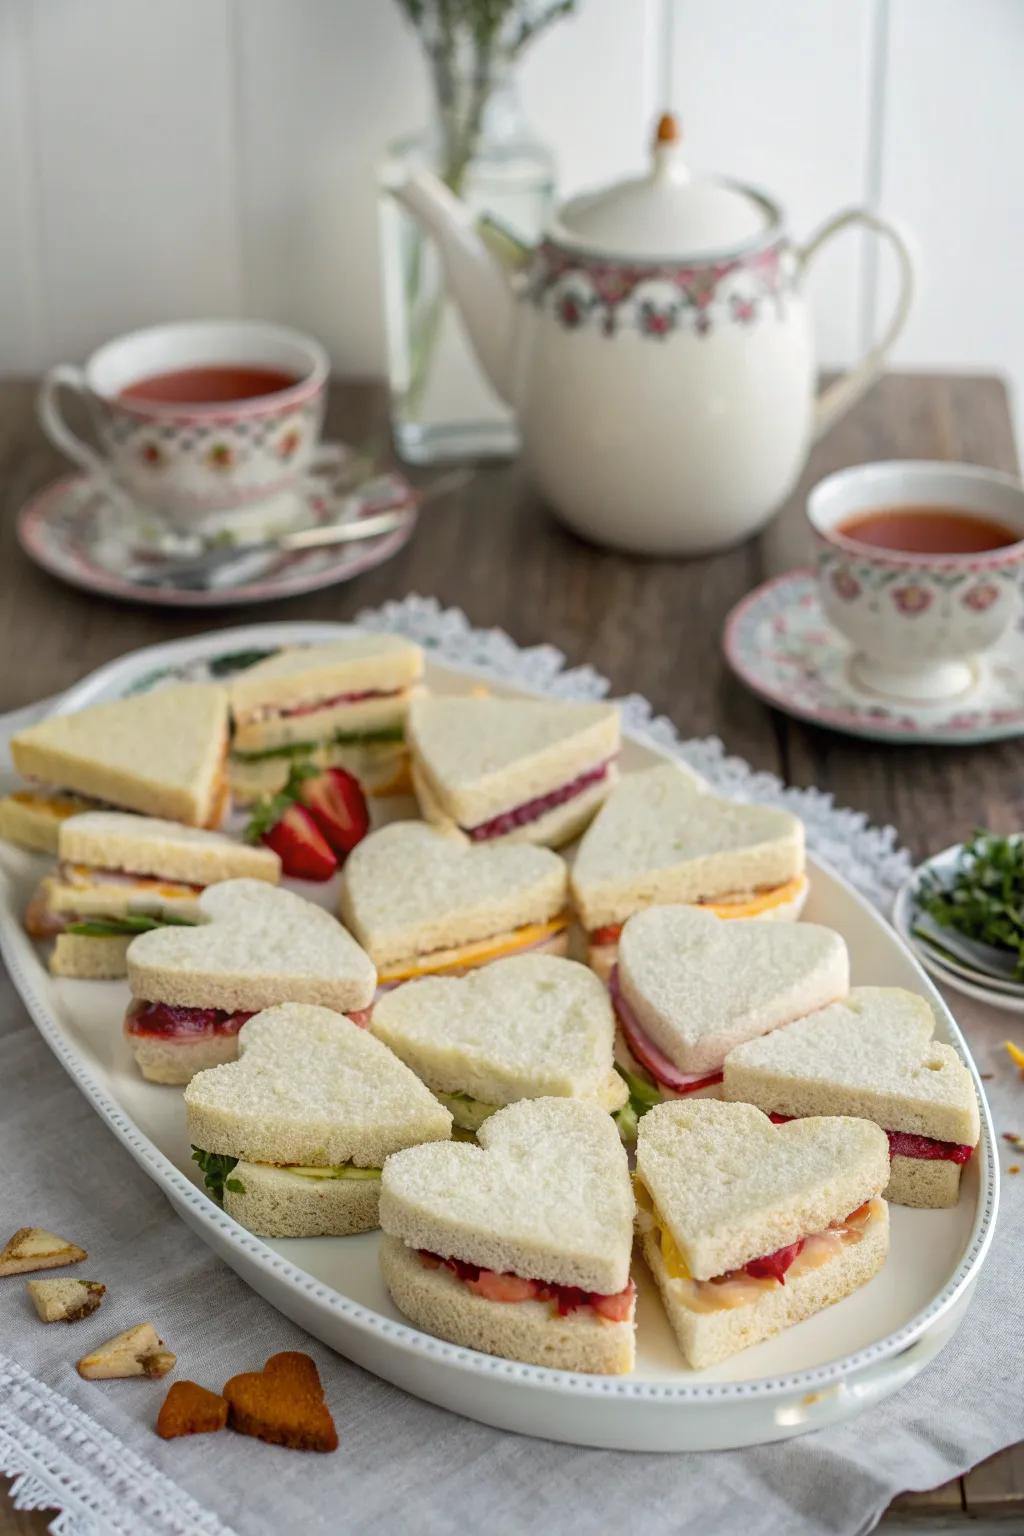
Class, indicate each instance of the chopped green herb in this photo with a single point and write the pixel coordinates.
(216, 1167)
(293, 749)
(238, 661)
(984, 899)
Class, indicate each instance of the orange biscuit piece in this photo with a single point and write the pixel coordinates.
(283, 1403)
(189, 1409)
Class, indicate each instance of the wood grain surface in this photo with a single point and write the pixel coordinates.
(652, 627)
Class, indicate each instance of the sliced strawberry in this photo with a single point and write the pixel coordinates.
(493, 1286)
(338, 806)
(300, 845)
(616, 1308)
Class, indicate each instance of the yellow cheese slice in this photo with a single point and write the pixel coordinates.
(754, 904)
(60, 807)
(482, 952)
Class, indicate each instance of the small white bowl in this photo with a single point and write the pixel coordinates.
(918, 622)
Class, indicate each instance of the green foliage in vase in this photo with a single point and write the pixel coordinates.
(469, 44)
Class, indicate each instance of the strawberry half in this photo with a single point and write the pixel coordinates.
(338, 806)
(300, 845)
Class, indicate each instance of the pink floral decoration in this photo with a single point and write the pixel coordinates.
(981, 597)
(912, 600)
(845, 585)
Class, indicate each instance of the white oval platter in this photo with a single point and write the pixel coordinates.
(826, 1370)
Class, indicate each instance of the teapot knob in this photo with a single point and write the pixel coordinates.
(667, 151)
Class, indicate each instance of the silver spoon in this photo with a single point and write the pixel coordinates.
(217, 561)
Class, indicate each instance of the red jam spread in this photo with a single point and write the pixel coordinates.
(907, 1144)
(172, 1022)
(533, 810)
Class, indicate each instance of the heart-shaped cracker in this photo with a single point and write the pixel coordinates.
(699, 985)
(874, 1052)
(409, 889)
(662, 836)
(310, 1088)
(547, 1192)
(189, 1409)
(732, 1186)
(524, 1027)
(283, 1403)
(256, 945)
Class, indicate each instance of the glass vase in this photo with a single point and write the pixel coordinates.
(442, 406)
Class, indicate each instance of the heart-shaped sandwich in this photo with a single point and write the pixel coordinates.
(255, 945)
(689, 987)
(749, 1227)
(423, 902)
(871, 1054)
(294, 1133)
(519, 1246)
(663, 838)
(524, 1028)
(529, 770)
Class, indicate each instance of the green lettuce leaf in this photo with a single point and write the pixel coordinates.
(216, 1168)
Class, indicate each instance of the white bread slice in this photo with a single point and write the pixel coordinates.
(706, 1338)
(90, 959)
(322, 725)
(256, 945)
(65, 1301)
(355, 662)
(146, 845)
(479, 757)
(700, 985)
(873, 1055)
(33, 820)
(161, 753)
(551, 830)
(603, 957)
(311, 1088)
(436, 1301)
(175, 1061)
(408, 889)
(662, 837)
(730, 1186)
(545, 1195)
(526, 1027)
(32, 1248)
(275, 1203)
(382, 768)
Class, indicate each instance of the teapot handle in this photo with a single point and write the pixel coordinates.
(837, 398)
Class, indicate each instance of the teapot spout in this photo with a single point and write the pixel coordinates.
(478, 282)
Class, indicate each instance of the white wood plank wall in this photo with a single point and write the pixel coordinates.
(163, 158)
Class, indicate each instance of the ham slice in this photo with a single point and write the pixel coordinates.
(664, 1071)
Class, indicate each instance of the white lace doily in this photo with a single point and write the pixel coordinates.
(869, 857)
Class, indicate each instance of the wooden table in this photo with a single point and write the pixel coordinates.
(493, 550)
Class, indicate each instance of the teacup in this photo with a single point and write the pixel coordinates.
(212, 459)
(918, 621)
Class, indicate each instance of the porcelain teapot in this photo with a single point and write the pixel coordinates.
(657, 349)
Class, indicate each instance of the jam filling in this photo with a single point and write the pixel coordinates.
(773, 1266)
(533, 810)
(493, 1286)
(907, 1144)
(653, 1060)
(290, 711)
(168, 1021)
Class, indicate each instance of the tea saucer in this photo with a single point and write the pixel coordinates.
(80, 531)
(778, 641)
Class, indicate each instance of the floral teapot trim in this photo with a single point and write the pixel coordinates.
(584, 292)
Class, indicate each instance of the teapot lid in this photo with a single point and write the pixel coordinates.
(668, 213)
